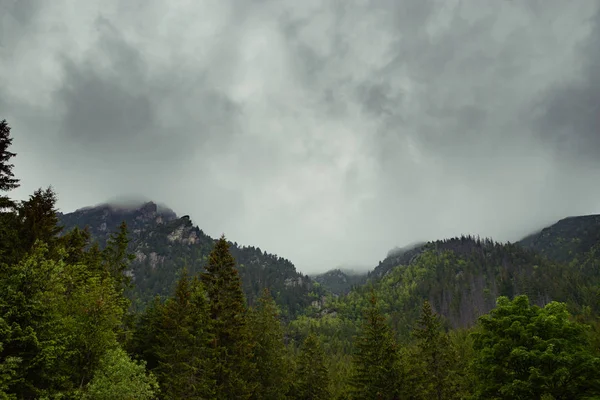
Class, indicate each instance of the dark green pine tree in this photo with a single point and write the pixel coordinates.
(117, 258)
(435, 356)
(38, 220)
(7, 179)
(312, 376)
(9, 232)
(31, 300)
(146, 329)
(228, 314)
(270, 357)
(375, 358)
(183, 344)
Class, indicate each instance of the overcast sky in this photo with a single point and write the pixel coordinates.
(327, 132)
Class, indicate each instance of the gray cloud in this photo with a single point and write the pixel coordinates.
(327, 132)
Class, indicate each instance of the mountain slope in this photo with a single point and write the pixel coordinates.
(338, 281)
(461, 278)
(164, 243)
(568, 238)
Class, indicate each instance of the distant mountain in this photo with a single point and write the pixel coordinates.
(397, 256)
(462, 278)
(163, 243)
(568, 238)
(339, 281)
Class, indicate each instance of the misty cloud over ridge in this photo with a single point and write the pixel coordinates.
(324, 131)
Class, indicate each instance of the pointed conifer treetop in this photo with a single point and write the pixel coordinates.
(7, 180)
(232, 340)
(375, 356)
(312, 375)
(222, 280)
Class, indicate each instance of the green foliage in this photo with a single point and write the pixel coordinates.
(432, 364)
(7, 179)
(524, 351)
(65, 318)
(145, 333)
(183, 344)
(8, 217)
(229, 326)
(567, 239)
(376, 375)
(117, 258)
(270, 357)
(312, 377)
(38, 219)
(32, 298)
(163, 244)
(118, 377)
(8, 365)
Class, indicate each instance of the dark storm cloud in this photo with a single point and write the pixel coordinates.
(113, 103)
(325, 131)
(570, 110)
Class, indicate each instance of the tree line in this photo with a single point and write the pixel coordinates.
(67, 331)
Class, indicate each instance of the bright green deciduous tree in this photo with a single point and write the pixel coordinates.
(118, 377)
(528, 352)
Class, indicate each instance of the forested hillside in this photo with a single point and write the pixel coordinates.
(568, 238)
(462, 318)
(337, 281)
(162, 244)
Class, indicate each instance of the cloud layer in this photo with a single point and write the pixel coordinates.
(325, 131)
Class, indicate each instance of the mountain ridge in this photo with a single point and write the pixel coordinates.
(163, 243)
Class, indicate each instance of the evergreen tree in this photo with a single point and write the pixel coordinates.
(147, 327)
(183, 344)
(95, 311)
(232, 340)
(434, 355)
(38, 220)
(270, 356)
(9, 233)
(375, 359)
(75, 243)
(35, 330)
(7, 179)
(117, 258)
(312, 376)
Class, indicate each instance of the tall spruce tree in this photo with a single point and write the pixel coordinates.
(228, 314)
(146, 328)
(117, 258)
(32, 298)
(9, 232)
(435, 355)
(38, 220)
(7, 179)
(183, 344)
(375, 358)
(312, 376)
(270, 357)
